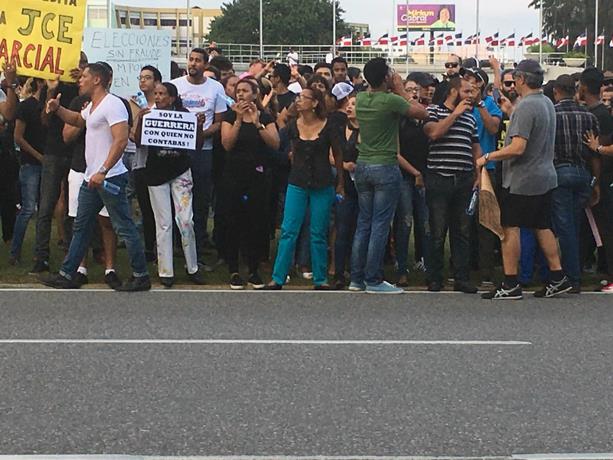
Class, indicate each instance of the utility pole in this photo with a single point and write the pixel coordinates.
(333, 29)
(261, 31)
(596, 35)
(477, 36)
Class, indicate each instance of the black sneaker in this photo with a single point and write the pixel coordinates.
(198, 277)
(553, 288)
(112, 280)
(322, 287)
(57, 281)
(504, 293)
(435, 286)
(167, 281)
(272, 287)
(134, 284)
(80, 279)
(339, 283)
(40, 266)
(236, 282)
(256, 281)
(465, 287)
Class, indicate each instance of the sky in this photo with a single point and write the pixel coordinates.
(504, 16)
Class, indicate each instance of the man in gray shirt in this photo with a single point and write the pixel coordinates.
(528, 178)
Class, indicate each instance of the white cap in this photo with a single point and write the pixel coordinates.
(342, 90)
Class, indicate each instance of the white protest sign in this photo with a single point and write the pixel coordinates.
(127, 51)
(169, 129)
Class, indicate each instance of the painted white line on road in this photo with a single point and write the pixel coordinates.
(567, 456)
(254, 291)
(263, 342)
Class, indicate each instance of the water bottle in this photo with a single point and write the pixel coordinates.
(229, 101)
(111, 188)
(141, 100)
(474, 202)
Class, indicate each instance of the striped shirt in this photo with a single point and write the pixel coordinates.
(453, 152)
(572, 122)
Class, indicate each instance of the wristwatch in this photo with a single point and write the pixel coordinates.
(103, 170)
(261, 128)
(487, 157)
(481, 105)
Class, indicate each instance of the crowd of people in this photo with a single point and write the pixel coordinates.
(324, 172)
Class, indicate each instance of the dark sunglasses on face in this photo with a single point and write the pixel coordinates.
(451, 65)
(508, 84)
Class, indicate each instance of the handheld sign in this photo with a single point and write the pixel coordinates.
(127, 51)
(169, 129)
(42, 38)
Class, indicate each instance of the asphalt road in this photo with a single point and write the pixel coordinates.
(545, 385)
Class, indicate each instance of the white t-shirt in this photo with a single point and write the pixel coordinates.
(98, 137)
(329, 58)
(208, 97)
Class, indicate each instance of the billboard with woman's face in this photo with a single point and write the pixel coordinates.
(425, 17)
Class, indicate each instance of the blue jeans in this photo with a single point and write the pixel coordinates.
(201, 162)
(345, 221)
(403, 221)
(378, 189)
(296, 201)
(91, 202)
(567, 202)
(29, 180)
(447, 199)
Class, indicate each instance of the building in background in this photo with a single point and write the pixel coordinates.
(359, 29)
(96, 14)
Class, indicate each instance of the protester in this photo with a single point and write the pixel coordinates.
(528, 178)
(450, 180)
(354, 74)
(339, 70)
(246, 133)
(148, 79)
(280, 78)
(325, 70)
(590, 83)
(377, 175)
(575, 166)
(106, 120)
(224, 66)
(488, 117)
(292, 58)
(453, 65)
(346, 211)
(30, 136)
(169, 181)
(74, 138)
(310, 182)
(202, 94)
(8, 96)
(413, 151)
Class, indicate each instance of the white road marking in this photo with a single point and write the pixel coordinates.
(254, 291)
(263, 342)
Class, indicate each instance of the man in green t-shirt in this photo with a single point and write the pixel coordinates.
(377, 175)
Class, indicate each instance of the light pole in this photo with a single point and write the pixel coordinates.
(188, 16)
(333, 29)
(478, 38)
(261, 32)
(407, 35)
(596, 36)
(541, 33)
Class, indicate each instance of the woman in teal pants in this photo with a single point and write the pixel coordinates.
(310, 182)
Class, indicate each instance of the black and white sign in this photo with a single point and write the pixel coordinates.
(170, 129)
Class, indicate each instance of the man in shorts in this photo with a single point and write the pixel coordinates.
(528, 178)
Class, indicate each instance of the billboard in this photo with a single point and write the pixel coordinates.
(426, 17)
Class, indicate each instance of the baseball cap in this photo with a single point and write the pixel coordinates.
(529, 66)
(479, 74)
(342, 90)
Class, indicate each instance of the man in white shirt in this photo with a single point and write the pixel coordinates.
(292, 58)
(202, 94)
(106, 121)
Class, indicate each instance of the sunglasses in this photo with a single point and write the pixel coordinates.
(508, 84)
(451, 65)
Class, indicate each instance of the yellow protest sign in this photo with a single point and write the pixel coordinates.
(42, 37)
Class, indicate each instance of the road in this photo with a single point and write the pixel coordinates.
(284, 373)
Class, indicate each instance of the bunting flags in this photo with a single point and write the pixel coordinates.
(562, 42)
(366, 40)
(580, 41)
(345, 41)
(492, 40)
(421, 41)
(383, 40)
(458, 39)
(509, 41)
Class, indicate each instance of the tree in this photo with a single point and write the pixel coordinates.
(307, 22)
(573, 17)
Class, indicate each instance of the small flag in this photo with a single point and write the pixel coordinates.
(458, 39)
(562, 42)
(345, 41)
(366, 40)
(509, 41)
(580, 41)
(611, 42)
(383, 40)
(600, 40)
(421, 41)
(469, 40)
(402, 40)
(449, 40)
(526, 40)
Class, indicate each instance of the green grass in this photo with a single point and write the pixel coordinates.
(18, 275)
